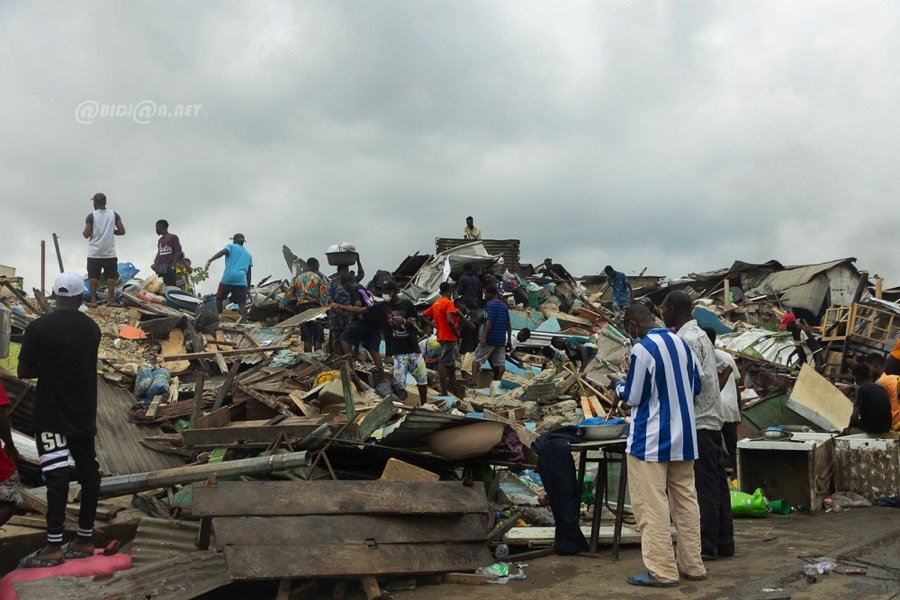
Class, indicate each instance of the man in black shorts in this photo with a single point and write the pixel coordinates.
(60, 350)
(100, 229)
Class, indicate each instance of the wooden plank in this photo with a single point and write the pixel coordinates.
(171, 348)
(598, 408)
(348, 394)
(238, 433)
(226, 386)
(198, 398)
(307, 409)
(543, 536)
(237, 352)
(217, 418)
(271, 562)
(220, 362)
(586, 407)
(154, 406)
(177, 578)
(271, 498)
(300, 319)
(465, 578)
(311, 530)
(397, 470)
(376, 417)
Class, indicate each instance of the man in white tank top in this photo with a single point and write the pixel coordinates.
(100, 229)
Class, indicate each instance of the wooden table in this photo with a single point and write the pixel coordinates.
(606, 448)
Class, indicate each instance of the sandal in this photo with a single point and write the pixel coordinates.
(645, 579)
(33, 562)
(71, 553)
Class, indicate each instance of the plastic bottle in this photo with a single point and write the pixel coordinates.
(501, 552)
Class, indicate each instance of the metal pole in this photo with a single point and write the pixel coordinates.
(58, 255)
(43, 267)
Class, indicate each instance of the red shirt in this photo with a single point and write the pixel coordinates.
(7, 466)
(438, 312)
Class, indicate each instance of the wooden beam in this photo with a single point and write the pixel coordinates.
(348, 394)
(226, 386)
(237, 352)
(311, 530)
(273, 498)
(273, 562)
(129, 484)
(198, 398)
(251, 433)
(376, 417)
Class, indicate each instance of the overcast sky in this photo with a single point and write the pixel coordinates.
(677, 136)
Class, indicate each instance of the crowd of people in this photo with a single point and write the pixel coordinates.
(682, 392)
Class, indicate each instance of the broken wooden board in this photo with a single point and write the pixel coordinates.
(543, 536)
(312, 530)
(273, 498)
(173, 346)
(817, 400)
(273, 562)
(247, 432)
(184, 356)
(301, 318)
(397, 470)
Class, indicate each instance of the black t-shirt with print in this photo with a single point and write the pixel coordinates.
(62, 346)
(403, 339)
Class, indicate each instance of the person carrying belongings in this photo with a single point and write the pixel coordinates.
(806, 346)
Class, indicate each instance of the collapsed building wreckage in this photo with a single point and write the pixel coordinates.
(227, 420)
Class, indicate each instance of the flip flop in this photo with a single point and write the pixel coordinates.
(645, 579)
(33, 562)
(68, 552)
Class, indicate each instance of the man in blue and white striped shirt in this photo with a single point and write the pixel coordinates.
(663, 378)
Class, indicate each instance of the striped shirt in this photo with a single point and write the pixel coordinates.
(663, 379)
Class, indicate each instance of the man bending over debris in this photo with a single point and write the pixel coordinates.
(663, 378)
(235, 280)
(623, 295)
(60, 350)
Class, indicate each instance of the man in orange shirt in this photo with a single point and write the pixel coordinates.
(443, 314)
(890, 381)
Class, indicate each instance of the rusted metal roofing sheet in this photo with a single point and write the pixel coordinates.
(508, 249)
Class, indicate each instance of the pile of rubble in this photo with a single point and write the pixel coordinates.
(230, 423)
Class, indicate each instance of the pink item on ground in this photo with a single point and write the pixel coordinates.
(98, 564)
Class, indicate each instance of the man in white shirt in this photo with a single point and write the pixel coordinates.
(716, 521)
(731, 410)
(100, 229)
(471, 232)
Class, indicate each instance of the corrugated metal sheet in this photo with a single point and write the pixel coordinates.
(119, 448)
(159, 539)
(508, 249)
(419, 423)
(781, 281)
(809, 296)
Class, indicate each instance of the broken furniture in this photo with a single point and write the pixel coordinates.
(799, 470)
(604, 453)
(868, 465)
(343, 529)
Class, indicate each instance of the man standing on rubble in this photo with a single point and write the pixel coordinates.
(402, 343)
(443, 316)
(60, 350)
(168, 253)
(469, 287)
(728, 388)
(100, 229)
(307, 291)
(235, 280)
(663, 378)
(471, 232)
(716, 524)
(623, 295)
(496, 337)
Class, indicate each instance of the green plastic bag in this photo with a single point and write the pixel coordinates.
(745, 505)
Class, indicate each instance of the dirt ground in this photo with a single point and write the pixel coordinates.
(767, 565)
